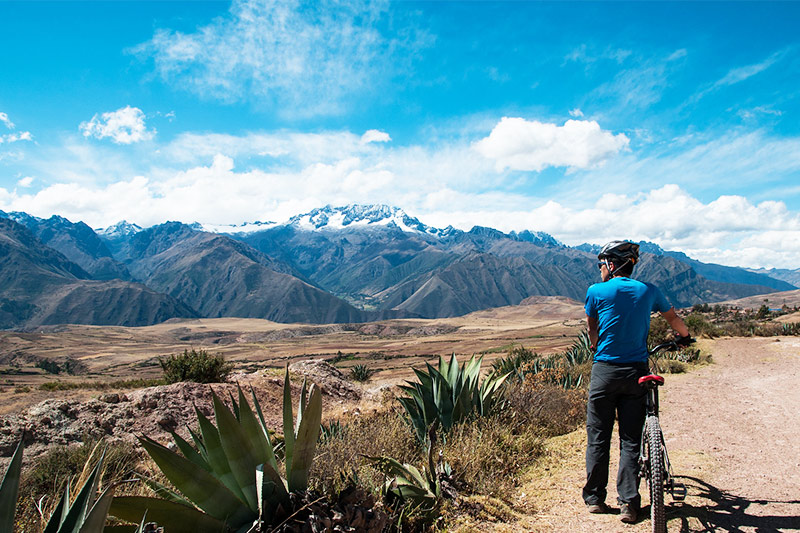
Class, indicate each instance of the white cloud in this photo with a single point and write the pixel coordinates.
(376, 136)
(303, 59)
(531, 145)
(576, 113)
(5, 120)
(230, 179)
(585, 54)
(728, 230)
(740, 74)
(123, 126)
(15, 137)
(27, 181)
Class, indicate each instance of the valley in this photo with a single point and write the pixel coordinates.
(390, 348)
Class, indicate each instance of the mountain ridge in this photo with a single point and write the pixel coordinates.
(361, 262)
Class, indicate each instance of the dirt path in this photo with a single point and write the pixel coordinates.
(732, 431)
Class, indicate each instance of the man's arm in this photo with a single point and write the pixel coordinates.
(675, 322)
(593, 337)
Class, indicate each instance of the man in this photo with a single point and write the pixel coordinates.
(618, 315)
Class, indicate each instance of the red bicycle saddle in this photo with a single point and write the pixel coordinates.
(652, 378)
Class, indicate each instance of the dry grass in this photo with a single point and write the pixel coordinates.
(340, 459)
(49, 474)
(546, 408)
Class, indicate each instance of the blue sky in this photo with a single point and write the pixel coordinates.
(671, 122)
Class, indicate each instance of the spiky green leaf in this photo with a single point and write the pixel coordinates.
(306, 441)
(288, 420)
(174, 517)
(9, 489)
(216, 456)
(240, 452)
(189, 452)
(201, 487)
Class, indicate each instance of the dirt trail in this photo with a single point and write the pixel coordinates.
(732, 431)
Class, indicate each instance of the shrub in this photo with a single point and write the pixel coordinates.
(487, 454)
(660, 331)
(100, 385)
(548, 409)
(698, 325)
(49, 474)
(200, 367)
(340, 461)
(569, 370)
(513, 362)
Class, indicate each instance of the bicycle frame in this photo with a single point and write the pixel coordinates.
(677, 490)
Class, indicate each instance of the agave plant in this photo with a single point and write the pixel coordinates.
(230, 479)
(513, 362)
(449, 395)
(360, 373)
(84, 513)
(331, 431)
(581, 350)
(422, 490)
(408, 484)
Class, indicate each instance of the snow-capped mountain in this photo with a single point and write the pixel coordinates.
(353, 215)
(120, 229)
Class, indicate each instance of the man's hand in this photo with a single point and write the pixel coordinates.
(681, 340)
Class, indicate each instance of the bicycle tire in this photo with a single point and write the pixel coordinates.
(655, 454)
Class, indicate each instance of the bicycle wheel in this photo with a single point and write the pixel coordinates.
(655, 454)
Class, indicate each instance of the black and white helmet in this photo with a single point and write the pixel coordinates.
(620, 251)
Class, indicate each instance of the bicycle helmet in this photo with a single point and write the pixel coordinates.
(620, 251)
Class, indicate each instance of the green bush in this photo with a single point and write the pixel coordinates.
(200, 367)
(360, 373)
(101, 385)
(513, 362)
(698, 325)
(660, 331)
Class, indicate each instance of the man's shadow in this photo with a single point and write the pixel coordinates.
(727, 512)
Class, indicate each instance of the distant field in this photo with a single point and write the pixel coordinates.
(391, 348)
(773, 299)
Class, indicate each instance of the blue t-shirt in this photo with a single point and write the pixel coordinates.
(622, 307)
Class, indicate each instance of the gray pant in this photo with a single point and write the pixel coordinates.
(614, 389)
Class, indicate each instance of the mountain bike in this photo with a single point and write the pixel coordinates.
(653, 459)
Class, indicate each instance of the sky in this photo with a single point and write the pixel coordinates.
(676, 123)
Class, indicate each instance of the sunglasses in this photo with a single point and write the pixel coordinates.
(601, 264)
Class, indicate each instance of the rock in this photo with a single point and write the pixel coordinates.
(110, 397)
(327, 377)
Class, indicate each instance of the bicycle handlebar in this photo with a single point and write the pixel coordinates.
(676, 344)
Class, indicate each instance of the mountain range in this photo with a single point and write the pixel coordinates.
(334, 264)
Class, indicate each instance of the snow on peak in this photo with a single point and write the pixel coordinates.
(120, 229)
(244, 227)
(355, 215)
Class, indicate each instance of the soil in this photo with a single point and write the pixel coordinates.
(157, 411)
(104, 354)
(732, 434)
(731, 426)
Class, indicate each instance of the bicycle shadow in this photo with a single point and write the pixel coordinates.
(725, 511)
